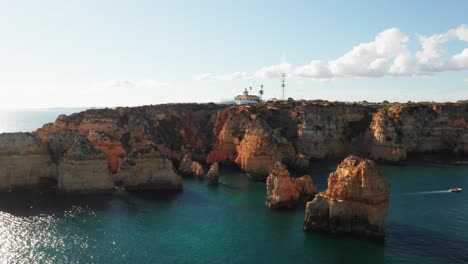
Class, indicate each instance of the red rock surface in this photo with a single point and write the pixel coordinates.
(283, 191)
(190, 168)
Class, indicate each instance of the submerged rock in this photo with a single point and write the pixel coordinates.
(212, 174)
(284, 191)
(190, 167)
(355, 202)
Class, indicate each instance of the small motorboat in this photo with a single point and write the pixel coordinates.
(455, 190)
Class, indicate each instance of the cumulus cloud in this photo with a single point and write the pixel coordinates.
(274, 71)
(386, 54)
(372, 59)
(315, 69)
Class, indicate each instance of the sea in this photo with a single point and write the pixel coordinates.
(229, 223)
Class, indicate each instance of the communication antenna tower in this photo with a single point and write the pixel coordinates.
(283, 80)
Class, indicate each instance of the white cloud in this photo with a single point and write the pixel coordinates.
(315, 69)
(371, 59)
(430, 57)
(465, 80)
(431, 47)
(274, 71)
(386, 54)
(460, 32)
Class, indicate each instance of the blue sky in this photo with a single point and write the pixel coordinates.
(110, 53)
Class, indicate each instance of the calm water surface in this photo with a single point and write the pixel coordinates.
(230, 224)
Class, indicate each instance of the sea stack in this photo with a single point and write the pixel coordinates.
(355, 202)
(284, 191)
(189, 167)
(212, 175)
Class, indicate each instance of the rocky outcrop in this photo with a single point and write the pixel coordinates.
(147, 169)
(332, 129)
(284, 191)
(419, 128)
(212, 175)
(189, 167)
(254, 137)
(355, 202)
(82, 168)
(260, 149)
(24, 161)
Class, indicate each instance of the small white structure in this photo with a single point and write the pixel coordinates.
(245, 98)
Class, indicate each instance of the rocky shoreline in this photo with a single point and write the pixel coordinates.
(152, 147)
(251, 137)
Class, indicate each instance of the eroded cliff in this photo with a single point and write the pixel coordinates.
(252, 137)
(355, 202)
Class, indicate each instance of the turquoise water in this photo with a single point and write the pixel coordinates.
(230, 224)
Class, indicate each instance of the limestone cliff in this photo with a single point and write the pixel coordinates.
(82, 168)
(283, 191)
(419, 128)
(255, 137)
(24, 161)
(148, 169)
(356, 201)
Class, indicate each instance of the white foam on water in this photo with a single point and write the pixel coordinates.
(428, 192)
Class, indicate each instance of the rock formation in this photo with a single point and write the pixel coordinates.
(212, 175)
(419, 128)
(355, 202)
(24, 161)
(252, 137)
(82, 168)
(147, 169)
(284, 191)
(190, 168)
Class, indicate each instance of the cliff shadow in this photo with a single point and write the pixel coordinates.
(165, 196)
(39, 202)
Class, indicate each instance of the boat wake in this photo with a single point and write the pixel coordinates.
(429, 192)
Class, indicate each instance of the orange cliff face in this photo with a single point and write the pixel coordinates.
(255, 137)
(283, 191)
(117, 132)
(99, 126)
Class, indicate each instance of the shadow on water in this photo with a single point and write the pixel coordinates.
(158, 196)
(413, 240)
(342, 248)
(227, 186)
(34, 202)
(186, 197)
